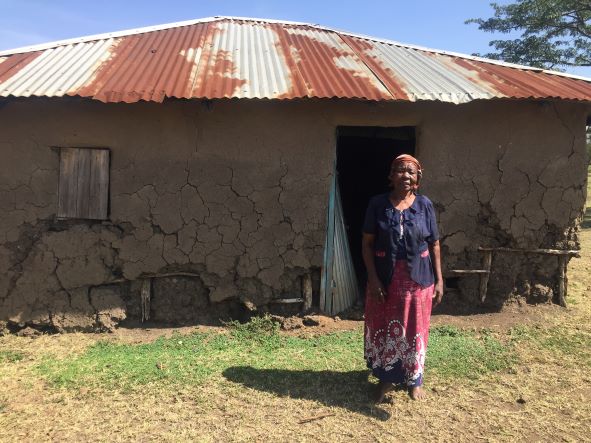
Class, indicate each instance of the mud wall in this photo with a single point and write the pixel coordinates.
(233, 193)
(514, 175)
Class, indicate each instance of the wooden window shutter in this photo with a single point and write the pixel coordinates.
(83, 183)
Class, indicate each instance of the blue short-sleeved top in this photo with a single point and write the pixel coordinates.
(419, 229)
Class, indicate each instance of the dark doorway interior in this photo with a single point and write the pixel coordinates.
(364, 155)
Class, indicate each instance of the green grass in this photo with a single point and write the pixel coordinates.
(454, 353)
(191, 359)
(11, 356)
(561, 341)
(257, 355)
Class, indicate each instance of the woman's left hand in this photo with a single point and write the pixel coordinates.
(438, 293)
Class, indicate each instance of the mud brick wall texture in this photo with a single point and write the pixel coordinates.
(235, 192)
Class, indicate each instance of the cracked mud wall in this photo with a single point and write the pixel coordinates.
(234, 197)
(514, 176)
(235, 192)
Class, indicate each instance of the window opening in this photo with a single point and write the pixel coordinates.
(83, 183)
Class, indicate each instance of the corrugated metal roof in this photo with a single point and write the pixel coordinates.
(229, 57)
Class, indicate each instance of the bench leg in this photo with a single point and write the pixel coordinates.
(486, 264)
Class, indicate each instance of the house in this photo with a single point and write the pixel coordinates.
(189, 170)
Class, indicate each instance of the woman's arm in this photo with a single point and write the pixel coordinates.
(373, 282)
(436, 255)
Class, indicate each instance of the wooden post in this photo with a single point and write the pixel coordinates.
(486, 264)
(307, 291)
(145, 296)
(562, 261)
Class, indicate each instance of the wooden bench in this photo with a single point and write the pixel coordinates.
(487, 254)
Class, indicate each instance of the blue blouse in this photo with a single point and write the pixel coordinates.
(417, 231)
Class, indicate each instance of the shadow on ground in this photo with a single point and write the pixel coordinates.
(454, 303)
(347, 390)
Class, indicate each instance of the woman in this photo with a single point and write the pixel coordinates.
(400, 240)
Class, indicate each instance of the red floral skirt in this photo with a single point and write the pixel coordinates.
(397, 331)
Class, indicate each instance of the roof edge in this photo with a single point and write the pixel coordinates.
(460, 55)
(145, 29)
(107, 35)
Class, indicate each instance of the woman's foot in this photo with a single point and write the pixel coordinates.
(417, 393)
(381, 390)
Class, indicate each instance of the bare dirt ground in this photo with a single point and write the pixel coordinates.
(545, 397)
(512, 315)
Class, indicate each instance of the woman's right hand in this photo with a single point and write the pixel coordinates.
(376, 290)
(374, 285)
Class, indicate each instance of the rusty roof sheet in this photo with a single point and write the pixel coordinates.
(230, 57)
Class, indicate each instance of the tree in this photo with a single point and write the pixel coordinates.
(554, 33)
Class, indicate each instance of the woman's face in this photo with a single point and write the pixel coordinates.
(404, 176)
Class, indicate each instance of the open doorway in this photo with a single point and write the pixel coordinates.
(364, 155)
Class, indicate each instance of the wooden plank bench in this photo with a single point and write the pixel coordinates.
(487, 254)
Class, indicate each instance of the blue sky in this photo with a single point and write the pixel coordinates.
(433, 23)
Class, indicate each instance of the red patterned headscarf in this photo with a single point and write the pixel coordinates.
(406, 158)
